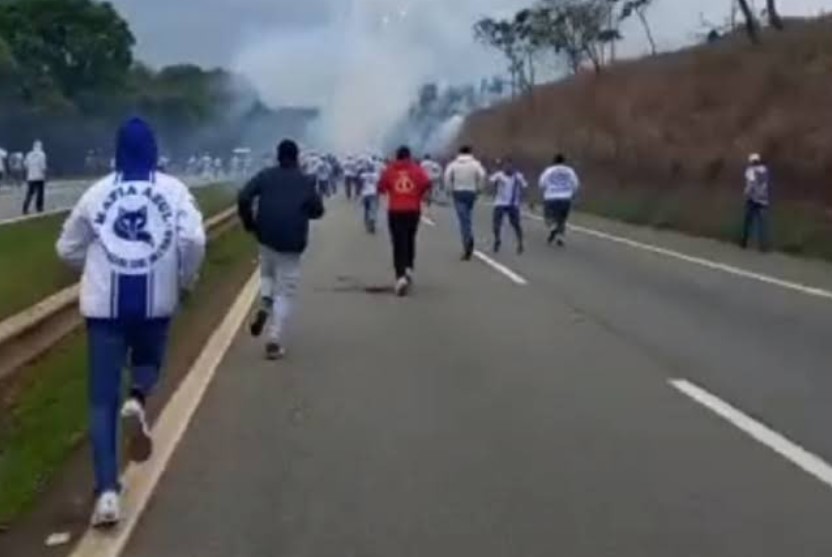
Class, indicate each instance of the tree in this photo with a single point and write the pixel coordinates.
(774, 15)
(503, 36)
(577, 29)
(751, 26)
(639, 9)
(75, 46)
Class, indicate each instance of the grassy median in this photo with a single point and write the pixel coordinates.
(46, 418)
(31, 270)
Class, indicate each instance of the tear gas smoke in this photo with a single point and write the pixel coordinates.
(364, 68)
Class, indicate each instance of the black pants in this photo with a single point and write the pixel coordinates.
(556, 212)
(403, 229)
(513, 214)
(756, 218)
(34, 191)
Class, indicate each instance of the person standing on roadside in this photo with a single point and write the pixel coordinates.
(276, 207)
(139, 239)
(509, 186)
(35, 164)
(405, 184)
(757, 202)
(559, 184)
(465, 177)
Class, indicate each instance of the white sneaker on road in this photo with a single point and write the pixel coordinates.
(137, 431)
(107, 512)
(402, 286)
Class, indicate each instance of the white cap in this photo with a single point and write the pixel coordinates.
(755, 158)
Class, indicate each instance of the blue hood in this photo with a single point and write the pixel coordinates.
(136, 152)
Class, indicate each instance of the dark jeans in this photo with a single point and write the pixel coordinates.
(556, 213)
(513, 214)
(403, 229)
(370, 203)
(464, 202)
(110, 343)
(756, 218)
(34, 191)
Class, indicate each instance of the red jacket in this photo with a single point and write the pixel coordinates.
(406, 184)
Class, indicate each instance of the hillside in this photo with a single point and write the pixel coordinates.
(663, 140)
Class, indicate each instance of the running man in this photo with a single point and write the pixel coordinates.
(406, 185)
(559, 184)
(285, 200)
(466, 178)
(434, 171)
(509, 184)
(138, 236)
(370, 177)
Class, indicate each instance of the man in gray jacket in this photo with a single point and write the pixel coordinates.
(286, 200)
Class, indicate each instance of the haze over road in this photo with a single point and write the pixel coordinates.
(488, 417)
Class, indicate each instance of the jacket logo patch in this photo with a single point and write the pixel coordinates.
(131, 226)
(404, 184)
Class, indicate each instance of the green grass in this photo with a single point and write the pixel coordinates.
(797, 228)
(32, 271)
(48, 420)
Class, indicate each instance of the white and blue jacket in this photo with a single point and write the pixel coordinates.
(139, 242)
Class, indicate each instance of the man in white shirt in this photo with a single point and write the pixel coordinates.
(4, 155)
(369, 177)
(757, 195)
(465, 177)
(35, 165)
(138, 237)
(559, 184)
(509, 184)
(434, 171)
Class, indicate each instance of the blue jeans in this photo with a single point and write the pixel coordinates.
(464, 202)
(756, 218)
(110, 343)
(370, 203)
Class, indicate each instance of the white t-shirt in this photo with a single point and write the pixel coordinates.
(369, 181)
(509, 188)
(559, 182)
(433, 169)
(36, 166)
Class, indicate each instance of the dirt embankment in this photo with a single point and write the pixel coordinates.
(663, 140)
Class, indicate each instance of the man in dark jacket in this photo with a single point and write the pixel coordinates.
(286, 200)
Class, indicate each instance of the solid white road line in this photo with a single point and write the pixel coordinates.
(713, 265)
(140, 481)
(797, 455)
(500, 268)
(35, 216)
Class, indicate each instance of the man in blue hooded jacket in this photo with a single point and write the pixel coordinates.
(139, 238)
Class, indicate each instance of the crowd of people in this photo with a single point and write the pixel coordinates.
(138, 237)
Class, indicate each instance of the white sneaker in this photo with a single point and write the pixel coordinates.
(107, 513)
(411, 276)
(402, 286)
(137, 431)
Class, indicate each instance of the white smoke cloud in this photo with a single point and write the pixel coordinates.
(365, 66)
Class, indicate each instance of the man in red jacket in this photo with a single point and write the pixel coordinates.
(406, 184)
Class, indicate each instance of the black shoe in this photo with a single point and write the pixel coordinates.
(497, 246)
(274, 351)
(552, 235)
(560, 242)
(520, 249)
(259, 323)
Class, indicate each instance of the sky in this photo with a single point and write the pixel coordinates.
(361, 61)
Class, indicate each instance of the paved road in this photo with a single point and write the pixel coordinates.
(59, 195)
(487, 418)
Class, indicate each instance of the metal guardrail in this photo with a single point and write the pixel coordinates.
(27, 334)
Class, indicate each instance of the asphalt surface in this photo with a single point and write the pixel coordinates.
(58, 195)
(485, 418)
